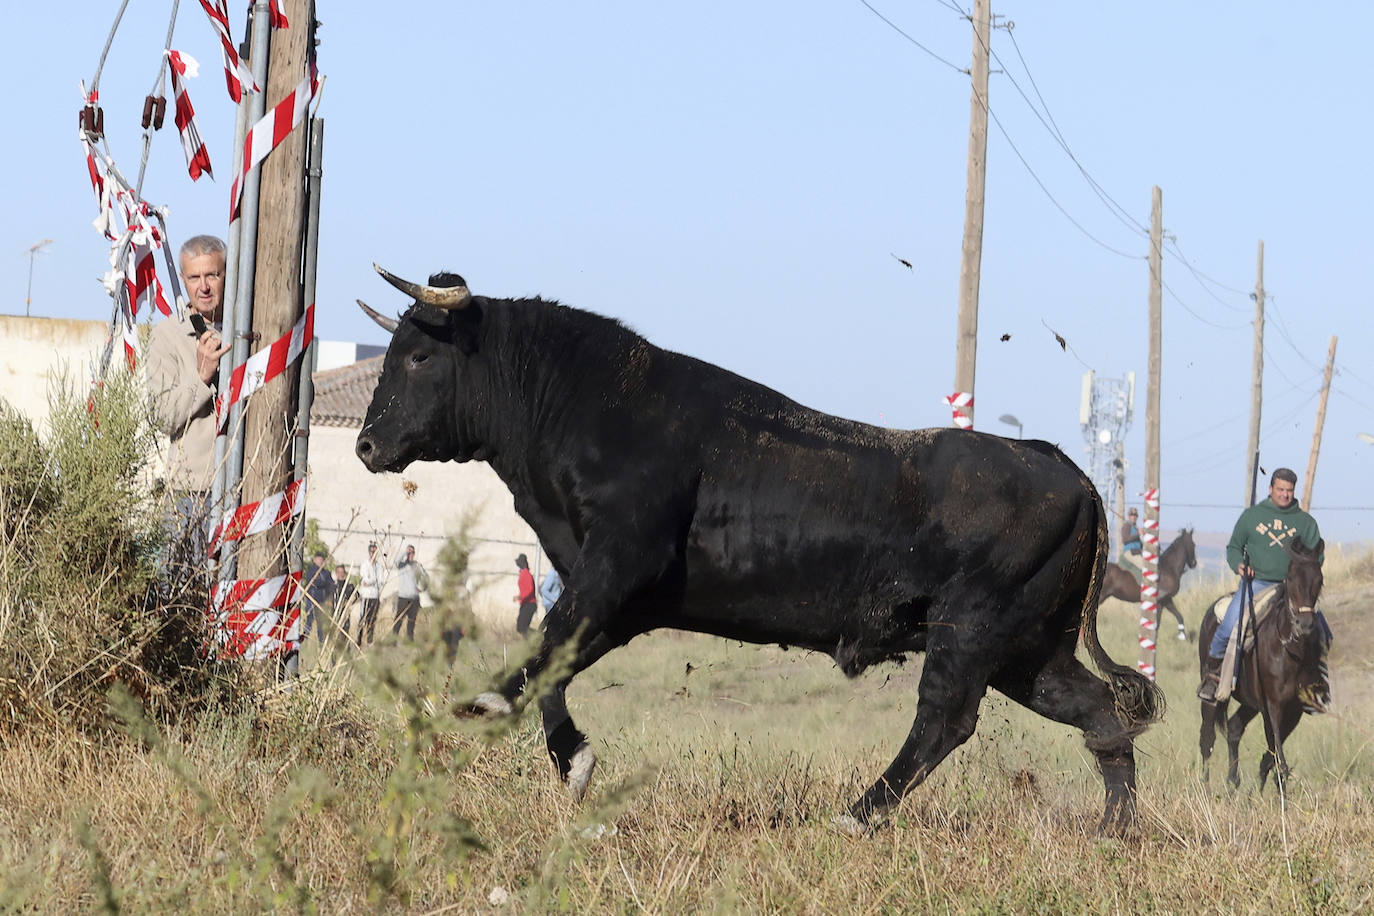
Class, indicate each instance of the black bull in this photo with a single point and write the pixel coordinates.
(669, 492)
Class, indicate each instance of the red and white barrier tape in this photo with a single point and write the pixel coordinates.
(277, 17)
(271, 130)
(257, 618)
(957, 402)
(265, 365)
(1152, 499)
(236, 75)
(184, 67)
(260, 516)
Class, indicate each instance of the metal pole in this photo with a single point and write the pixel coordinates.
(301, 453)
(219, 505)
(247, 261)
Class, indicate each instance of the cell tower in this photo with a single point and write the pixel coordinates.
(1105, 414)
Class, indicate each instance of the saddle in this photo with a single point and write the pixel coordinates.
(1315, 696)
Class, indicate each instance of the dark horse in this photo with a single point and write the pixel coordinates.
(1177, 558)
(1288, 653)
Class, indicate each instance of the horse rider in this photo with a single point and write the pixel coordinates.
(1261, 535)
(1130, 542)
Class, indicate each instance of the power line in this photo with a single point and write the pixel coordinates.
(1077, 225)
(1120, 212)
(1190, 311)
(1200, 277)
(892, 25)
(1282, 327)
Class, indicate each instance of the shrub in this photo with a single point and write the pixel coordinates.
(80, 609)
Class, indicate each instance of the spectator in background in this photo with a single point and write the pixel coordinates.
(410, 578)
(550, 589)
(319, 596)
(344, 593)
(181, 367)
(370, 591)
(524, 595)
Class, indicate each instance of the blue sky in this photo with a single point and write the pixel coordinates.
(737, 181)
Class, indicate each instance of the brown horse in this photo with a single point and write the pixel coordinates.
(1287, 655)
(1177, 558)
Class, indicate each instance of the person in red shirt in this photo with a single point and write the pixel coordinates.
(524, 596)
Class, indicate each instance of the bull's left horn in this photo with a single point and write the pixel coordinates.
(441, 297)
(389, 323)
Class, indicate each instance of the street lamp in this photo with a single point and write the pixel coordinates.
(34, 249)
(1011, 421)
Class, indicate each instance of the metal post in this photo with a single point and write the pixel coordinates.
(247, 264)
(301, 453)
(219, 504)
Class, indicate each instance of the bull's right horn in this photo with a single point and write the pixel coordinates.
(389, 323)
(441, 297)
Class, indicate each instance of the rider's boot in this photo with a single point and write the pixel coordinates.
(1211, 679)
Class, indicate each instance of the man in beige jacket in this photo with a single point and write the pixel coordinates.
(182, 366)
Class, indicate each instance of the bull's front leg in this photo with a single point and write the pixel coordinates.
(574, 636)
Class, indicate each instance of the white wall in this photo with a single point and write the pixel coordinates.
(422, 506)
(34, 352)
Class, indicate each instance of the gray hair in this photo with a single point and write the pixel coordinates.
(1284, 474)
(198, 245)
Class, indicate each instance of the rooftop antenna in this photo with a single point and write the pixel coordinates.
(34, 250)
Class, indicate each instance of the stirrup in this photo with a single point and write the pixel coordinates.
(1207, 690)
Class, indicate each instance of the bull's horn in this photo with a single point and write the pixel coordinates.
(441, 297)
(389, 323)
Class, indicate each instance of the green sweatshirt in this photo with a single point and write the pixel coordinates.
(1265, 530)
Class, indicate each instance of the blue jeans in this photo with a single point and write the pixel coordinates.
(1228, 623)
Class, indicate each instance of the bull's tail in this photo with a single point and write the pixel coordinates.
(1138, 700)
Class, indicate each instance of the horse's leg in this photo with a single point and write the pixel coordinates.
(1207, 737)
(1168, 605)
(1284, 719)
(1064, 690)
(1234, 729)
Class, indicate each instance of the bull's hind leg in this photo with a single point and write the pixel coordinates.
(1063, 690)
(952, 685)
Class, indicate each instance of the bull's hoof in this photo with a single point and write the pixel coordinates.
(849, 825)
(491, 704)
(580, 771)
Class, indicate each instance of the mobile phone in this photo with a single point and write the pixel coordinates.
(199, 324)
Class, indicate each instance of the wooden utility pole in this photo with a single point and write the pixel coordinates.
(269, 423)
(966, 344)
(1149, 535)
(1306, 501)
(1256, 384)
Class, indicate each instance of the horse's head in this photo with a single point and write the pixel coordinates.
(1302, 585)
(1189, 548)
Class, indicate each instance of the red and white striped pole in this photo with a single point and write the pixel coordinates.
(1149, 587)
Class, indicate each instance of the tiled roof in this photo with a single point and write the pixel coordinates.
(342, 394)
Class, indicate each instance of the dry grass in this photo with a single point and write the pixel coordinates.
(358, 789)
(714, 794)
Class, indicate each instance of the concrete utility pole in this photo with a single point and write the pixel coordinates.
(269, 420)
(966, 344)
(1256, 384)
(1311, 476)
(1149, 591)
